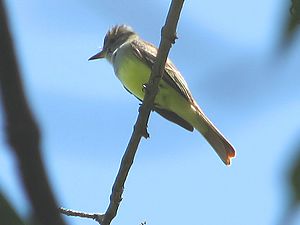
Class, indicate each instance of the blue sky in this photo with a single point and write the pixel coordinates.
(227, 51)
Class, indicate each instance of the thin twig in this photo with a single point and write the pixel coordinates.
(23, 133)
(95, 216)
(168, 37)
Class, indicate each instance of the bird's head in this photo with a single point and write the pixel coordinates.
(114, 38)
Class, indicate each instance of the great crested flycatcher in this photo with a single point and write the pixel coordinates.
(132, 59)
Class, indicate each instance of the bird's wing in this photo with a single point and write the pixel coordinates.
(173, 117)
(171, 76)
(147, 52)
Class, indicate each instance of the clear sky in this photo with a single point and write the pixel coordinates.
(228, 53)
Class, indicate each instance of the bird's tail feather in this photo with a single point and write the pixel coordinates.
(214, 137)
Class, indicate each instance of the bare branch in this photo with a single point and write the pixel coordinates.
(168, 37)
(23, 133)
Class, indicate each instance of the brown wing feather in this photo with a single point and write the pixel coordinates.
(173, 117)
(171, 76)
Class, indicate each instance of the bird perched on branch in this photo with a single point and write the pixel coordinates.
(132, 59)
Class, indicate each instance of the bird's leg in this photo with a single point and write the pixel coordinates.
(142, 130)
(145, 133)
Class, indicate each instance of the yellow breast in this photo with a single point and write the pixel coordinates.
(132, 73)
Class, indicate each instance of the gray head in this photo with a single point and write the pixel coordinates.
(114, 38)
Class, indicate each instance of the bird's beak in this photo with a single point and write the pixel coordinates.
(99, 55)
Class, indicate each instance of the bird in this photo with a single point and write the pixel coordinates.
(132, 59)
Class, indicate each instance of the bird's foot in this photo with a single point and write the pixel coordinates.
(145, 133)
(142, 130)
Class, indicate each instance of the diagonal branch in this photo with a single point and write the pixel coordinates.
(168, 36)
(22, 131)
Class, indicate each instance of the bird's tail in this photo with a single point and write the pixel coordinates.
(214, 137)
